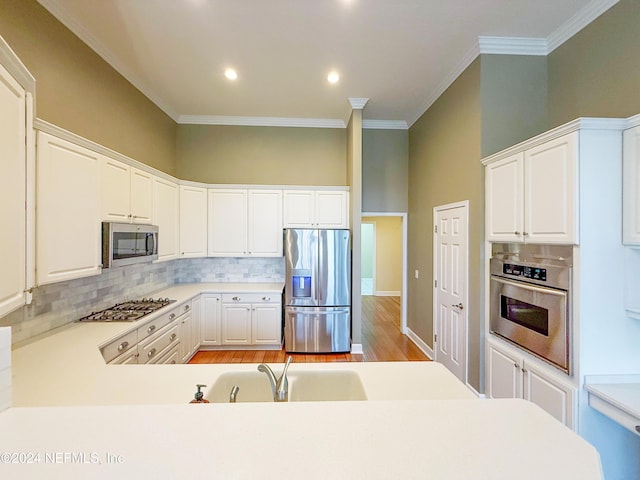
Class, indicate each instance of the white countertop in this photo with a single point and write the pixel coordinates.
(419, 421)
(616, 396)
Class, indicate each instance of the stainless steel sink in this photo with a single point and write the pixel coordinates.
(305, 386)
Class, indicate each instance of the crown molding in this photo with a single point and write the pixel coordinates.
(584, 17)
(261, 121)
(512, 45)
(633, 121)
(12, 63)
(358, 103)
(385, 124)
(57, 10)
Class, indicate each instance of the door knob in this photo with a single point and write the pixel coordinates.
(459, 305)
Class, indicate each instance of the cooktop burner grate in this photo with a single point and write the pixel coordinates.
(127, 311)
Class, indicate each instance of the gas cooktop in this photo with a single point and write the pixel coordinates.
(127, 311)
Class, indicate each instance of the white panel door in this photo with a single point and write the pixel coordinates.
(504, 199)
(210, 320)
(299, 208)
(166, 206)
(116, 199)
(451, 273)
(193, 221)
(332, 209)
(141, 196)
(504, 374)
(227, 223)
(265, 223)
(551, 173)
(236, 324)
(631, 187)
(12, 206)
(266, 324)
(69, 239)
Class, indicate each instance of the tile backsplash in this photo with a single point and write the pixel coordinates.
(5, 368)
(61, 303)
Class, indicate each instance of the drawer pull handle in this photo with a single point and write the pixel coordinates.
(173, 337)
(123, 346)
(266, 299)
(173, 362)
(172, 316)
(151, 328)
(235, 299)
(151, 353)
(638, 428)
(187, 307)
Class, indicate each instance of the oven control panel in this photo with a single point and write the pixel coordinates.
(534, 273)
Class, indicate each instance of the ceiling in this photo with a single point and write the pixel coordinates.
(400, 54)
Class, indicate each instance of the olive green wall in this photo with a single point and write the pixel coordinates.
(80, 92)
(262, 155)
(444, 167)
(385, 169)
(513, 93)
(596, 73)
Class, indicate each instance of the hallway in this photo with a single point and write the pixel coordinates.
(381, 337)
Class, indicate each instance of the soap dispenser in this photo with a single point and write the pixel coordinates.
(198, 397)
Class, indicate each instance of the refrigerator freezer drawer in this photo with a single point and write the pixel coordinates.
(319, 330)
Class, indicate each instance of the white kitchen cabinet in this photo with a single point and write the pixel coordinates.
(196, 323)
(245, 223)
(512, 375)
(631, 187)
(186, 348)
(316, 209)
(210, 320)
(251, 319)
(193, 221)
(166, 216)
(127, 193)
(532, 195)
(69, 240)
(14, 196)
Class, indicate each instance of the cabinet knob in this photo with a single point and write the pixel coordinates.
(638, 428)
(235, 299)
(172, 316)
(122, 346)
(516, 365)
(173, 337)
(516, 232)
(151, 353)
(266, 299)
(187, 307)
(151, 328)
(525, 234)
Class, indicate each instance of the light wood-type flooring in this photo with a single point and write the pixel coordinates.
(381, 341)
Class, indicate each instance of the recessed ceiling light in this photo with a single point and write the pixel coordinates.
(333, 77)
(231, 74)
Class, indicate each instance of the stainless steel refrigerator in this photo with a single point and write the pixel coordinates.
(317, 290)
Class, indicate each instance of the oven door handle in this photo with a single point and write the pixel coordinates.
(533, 288)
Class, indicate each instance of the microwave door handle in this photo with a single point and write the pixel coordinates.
(150, 243)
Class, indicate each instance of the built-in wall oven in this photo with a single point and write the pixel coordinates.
(530, 299)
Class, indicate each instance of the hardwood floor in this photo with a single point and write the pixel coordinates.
(381, 341)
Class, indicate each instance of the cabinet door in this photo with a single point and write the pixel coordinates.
(196, 319)
(332, 209)
(553, 396)
(12, 206)
(141, 196)
(504, 199)
(227, 223)
(193, 221)
(69, 240)
(265, 223)
(236, 324)
(551, 172)
(631, 187)
(116, 201)
(299, 208)
(210, 320)
(166, 201)
(266, 324)
(505, 375)
(185, 348)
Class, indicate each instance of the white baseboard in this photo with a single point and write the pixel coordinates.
(356, 349)
(426, 349)
(387, 293)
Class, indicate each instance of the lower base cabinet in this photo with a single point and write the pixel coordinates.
(251, 319)
(512, 375)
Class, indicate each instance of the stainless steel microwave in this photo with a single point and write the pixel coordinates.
(128, 244)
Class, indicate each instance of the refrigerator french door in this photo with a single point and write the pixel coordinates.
(317, 290)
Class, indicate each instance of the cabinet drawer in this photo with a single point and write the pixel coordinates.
(154, 346)
(154, 326)
(251, 298)
(119, 346)
(169, 355)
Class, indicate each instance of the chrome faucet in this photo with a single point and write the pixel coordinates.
(279, 387)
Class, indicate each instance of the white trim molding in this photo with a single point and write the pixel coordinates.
(387, 293)
(385, 124)
(356, 349)
(358, 103)
(426, 349)
(261, 121)
(512, 46)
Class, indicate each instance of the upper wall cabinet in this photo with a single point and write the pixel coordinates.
(193, 221)
(166, 202)
(532, 195)
(631, 187)
(127, 193)
(69, 242)
(12, 208)
(245, 223)
(316, 209)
